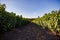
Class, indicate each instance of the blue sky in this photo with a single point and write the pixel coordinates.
(31, 8)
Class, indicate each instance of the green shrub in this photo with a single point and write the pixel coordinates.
(50, 20)
(9, 21)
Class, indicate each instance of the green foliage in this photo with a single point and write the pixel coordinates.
(50, 20)
(9, 21)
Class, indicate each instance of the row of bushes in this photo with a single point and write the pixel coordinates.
(50, 20)
(9, 21)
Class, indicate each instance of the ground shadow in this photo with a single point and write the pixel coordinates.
(31, 31)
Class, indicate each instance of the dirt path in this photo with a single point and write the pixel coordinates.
(29, 32)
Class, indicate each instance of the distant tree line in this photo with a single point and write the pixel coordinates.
(50, 20)
(9, 20)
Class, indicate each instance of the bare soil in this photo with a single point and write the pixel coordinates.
(29, 32)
